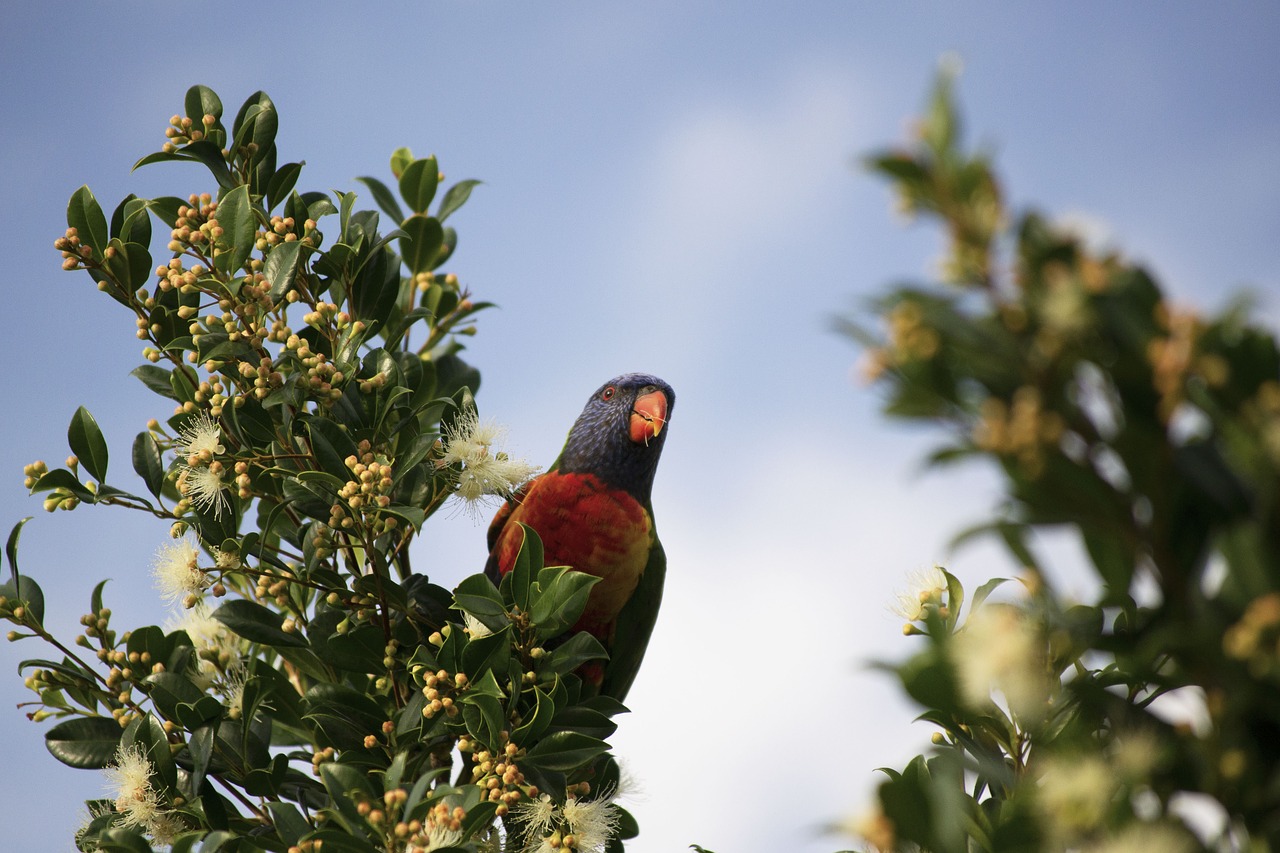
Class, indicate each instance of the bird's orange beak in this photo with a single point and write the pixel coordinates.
(648, 417)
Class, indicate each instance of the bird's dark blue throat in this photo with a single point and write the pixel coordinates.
(600, 442)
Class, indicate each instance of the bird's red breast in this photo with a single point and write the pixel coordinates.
(586, 525)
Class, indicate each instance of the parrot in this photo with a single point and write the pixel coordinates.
(593, 511)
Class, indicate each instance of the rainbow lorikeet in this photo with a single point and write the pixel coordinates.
(593, 512)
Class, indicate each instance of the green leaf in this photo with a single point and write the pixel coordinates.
(562, 599)
(87, 443)
(375, 288)
(130, 222)
(168, 689)
(281, 268)
(61, 478)
(982, 592)
(384, 197)
(484, 717)
(338, 841)
(210, 155)
(587, 721)
(147, 463)
(121, 840)
(565, 751)
(488, 653)
(86, 216)
(418, 183)
(235, 217)
(147, 732)
(456, 197)
(536, 723)
(11, 550)
(518, 582)
(331, 447)
(422, 241)
(478, 596)
(289, 823)
(572, 653)
(154, 377)
(341, 781)
(345, 716)
(955, 599)
(256, 623)
(282, 183)
(256, 122)
(201, 101)
(88, 743)
(400, 160)
(95, 599)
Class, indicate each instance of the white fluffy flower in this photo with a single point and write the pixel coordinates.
(439, 837)
(1142, 837)
(485, 471)
(1075, 793)
(130, 782)
(199, 441)
(208, 635)
(536, 816)
(177, 572)
(923, 586)
(593, 822)
(1000, 649)
(204, 488)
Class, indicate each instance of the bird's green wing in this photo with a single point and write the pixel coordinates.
(634, 625)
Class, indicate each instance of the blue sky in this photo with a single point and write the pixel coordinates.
(669, 187)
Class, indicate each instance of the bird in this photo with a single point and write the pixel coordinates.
(593, 511)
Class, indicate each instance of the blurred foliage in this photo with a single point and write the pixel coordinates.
(1152, 433)
(317, 691)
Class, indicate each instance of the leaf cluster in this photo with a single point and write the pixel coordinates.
(1147, 430)
(318, 691)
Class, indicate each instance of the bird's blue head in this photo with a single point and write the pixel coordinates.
(620, 433)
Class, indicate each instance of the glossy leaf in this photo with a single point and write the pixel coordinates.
(256, 623)
(86, 216)
(418, 184)
(282, 184)
(421, 243)
(235, 217)
(201, 101)
(565, 751)
(147, 462)
(384, 197)
(281, 268)
(456, 197)
(88, 743)
(87, 443)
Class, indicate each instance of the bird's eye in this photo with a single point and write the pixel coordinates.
(607, 394)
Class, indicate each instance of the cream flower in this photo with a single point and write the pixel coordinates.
(212, 640)
(130, 782)
(439, 837)
(227, 561)
(199, 441)
(1000, 649)
(925, 586)
(593, 822)
(536, 816)
(485, 471)
(1142, 837)
(177, 574)
(204, 488)
(1074, 794)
